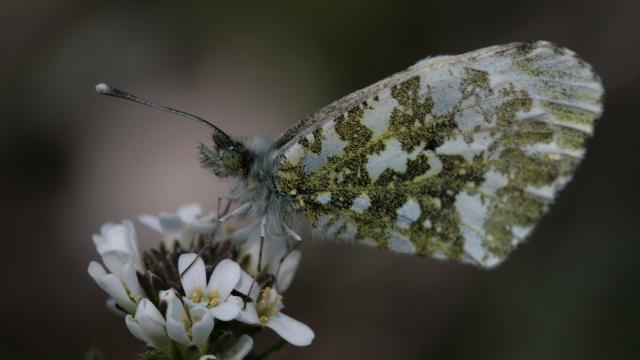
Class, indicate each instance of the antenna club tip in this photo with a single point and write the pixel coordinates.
(103, 88)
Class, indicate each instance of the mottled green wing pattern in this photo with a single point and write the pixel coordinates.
(457, 157)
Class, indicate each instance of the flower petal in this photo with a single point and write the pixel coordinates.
(225, 277)
(152, 323)
(245, 283)
(99, 243)
(111, 306)
(292, 330)
(240, 349)
(117, 237)
(151, 221)
(112, 285)
(287, 270)
(192, 304)
(248, 314)
(228, 310)
(135, 329)
(132, 240)
(96, 271)
(189, 212)
(175, 322)
(170, 223)
(130, 279)
(195, 276)
(167, 295)
(202, 328)
(115, 260)
(112, 237)
(202, 227)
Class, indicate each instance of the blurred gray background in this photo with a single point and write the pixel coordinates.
(73, 160)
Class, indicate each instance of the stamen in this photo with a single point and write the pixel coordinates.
(197, 294)
(265, 307)
(129, 293)
(214, 299)
(186, 321)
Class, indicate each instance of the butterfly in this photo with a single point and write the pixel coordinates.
(456, 157)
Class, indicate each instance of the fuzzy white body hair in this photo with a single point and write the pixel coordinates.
(258, 190)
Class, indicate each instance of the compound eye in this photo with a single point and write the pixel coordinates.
(231, 159)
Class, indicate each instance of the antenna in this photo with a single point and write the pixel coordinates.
(105, 89)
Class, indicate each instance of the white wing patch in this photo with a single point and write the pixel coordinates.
(400, 243)
(392, 157)
(377, 116)
(324, 197)
(329, 142)
(361, 203)
(408, 213)
(461, 146)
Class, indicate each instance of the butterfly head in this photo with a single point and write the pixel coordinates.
(227, 158)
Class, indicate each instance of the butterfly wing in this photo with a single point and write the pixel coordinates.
(457, 157)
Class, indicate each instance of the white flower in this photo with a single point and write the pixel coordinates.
(148, 325)
(122, 283)
(265, 310)
(118, 237)
(118, 247)
(240, 349)
(214, 295)
(273, 251)
(248, 284)
(189, 329)
(181, 226)
(286, 270)
(167, 295)
(112, 306)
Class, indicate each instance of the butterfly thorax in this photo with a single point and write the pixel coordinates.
(251, 166)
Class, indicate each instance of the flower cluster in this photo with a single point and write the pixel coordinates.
(199, 294)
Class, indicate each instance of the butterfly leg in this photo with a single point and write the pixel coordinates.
(218, 215)
(226, 208)
(294, 235)
(209, 241)
(237, 211)
(263, 224)
(290, 248)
